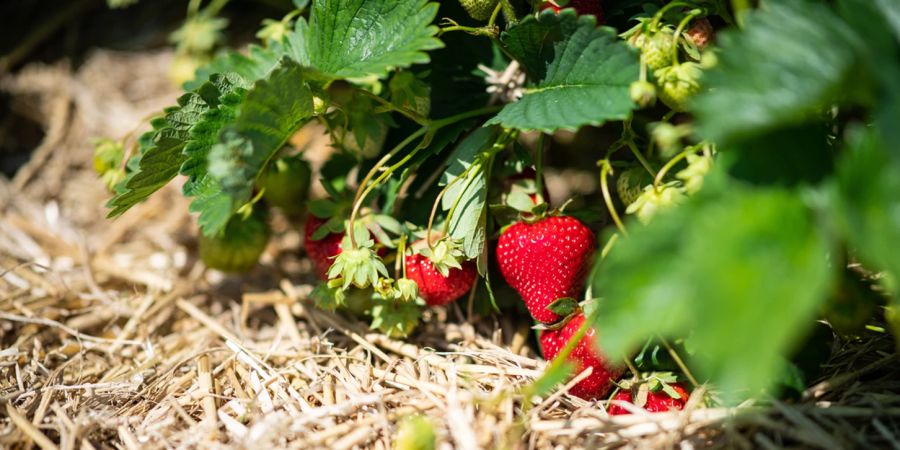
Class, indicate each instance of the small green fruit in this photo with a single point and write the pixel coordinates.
(286, 184)
(643, 93)
(630, 184)
(239, 247)
(656, 50)
(678, 83)
(479, 9)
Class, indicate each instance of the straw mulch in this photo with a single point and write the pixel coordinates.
(113, 335)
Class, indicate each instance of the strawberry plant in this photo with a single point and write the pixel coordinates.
(726, 213)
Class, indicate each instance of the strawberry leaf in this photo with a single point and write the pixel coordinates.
(209, 200)
(580, 74)
(359, 38)
(467, 196)
(272, 110)
(867, 204)
(160, 161)
(815, 57)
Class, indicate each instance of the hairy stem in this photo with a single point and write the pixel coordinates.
(605, 169)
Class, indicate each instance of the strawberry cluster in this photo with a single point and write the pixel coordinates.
(545, 257)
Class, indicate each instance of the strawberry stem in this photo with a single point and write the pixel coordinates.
(681, 26)
(428, 131)
(605, 169)
(681, 365)
(411, 115)
(628, 139)
(662, 11)
(539, 168)
(669, 165)
(493, 19)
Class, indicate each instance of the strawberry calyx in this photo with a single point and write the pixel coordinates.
(655, 392)
(358, 266)
(566, 308)
(406, 290)
(395, 318)
(444, 254)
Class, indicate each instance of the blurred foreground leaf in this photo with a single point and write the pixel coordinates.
(724, 266)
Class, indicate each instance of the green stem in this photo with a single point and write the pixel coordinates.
(440, 123)
(609, 245)
(411, 115)
(681, 26)
(493, 20)
(641, 159)
(400, 264)
(605, 168)
(659, 14)
(364, 190)
(635, 374)
(671, 163)
(539, 169)
(681, 365)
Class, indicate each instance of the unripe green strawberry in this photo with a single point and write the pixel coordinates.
(630, 184)
(643, 93)
(677, 84)
(286, 184)
(656, 49)
(239, 247)
(479, 9)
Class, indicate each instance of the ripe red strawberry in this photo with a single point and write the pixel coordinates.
(435, 288)
(584, 355)
(582, 7)
(545, 261)
(658, 401)
(323, 251)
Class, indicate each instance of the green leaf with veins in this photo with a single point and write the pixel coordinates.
(719, 266)
(467, 196)
(159, 163)
(580, 74)
(209, 199)
(361, 38)
(272, 110)
(791, 60)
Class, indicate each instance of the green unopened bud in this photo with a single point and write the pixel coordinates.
(643, 93)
